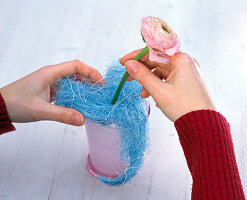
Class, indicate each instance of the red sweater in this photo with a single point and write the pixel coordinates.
(207, 143)
(206, 140)
(5, 123)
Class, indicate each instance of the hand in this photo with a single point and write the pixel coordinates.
(182, 91)
(28, 99)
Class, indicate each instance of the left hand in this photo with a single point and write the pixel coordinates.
(28, 99)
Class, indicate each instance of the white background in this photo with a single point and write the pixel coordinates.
(46, 160)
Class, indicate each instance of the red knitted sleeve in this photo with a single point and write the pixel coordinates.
(5, 123)
(207, 143)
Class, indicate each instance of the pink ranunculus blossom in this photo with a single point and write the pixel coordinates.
(161, 40)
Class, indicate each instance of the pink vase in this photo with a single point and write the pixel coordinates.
(103, 142)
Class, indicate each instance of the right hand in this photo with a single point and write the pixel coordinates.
(183, 91)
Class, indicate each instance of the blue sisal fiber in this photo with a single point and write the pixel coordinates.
(128, 114)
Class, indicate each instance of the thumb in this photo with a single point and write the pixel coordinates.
(145, 77)
(64, 115)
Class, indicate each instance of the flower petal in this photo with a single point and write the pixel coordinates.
(155, 57)
(161, 43)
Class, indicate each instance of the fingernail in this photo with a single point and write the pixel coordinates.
(78, 120)
(131, 67)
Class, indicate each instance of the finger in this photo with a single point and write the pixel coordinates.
(196, 62)
(63, 115)
(145, 77)
(130, 78)
(132, 55)
(74, 67)
(144, 93)
(145, 60)
(161, 73)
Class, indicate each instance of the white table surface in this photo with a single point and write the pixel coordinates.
(46, 160)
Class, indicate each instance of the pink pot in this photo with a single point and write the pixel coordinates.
(103, 142)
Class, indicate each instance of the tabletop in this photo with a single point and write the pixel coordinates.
(47, 160)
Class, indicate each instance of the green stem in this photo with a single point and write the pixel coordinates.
(126, 75)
